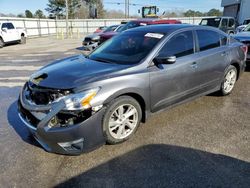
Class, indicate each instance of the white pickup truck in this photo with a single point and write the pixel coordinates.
(10, 34)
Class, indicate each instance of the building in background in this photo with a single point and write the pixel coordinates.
(240, 9)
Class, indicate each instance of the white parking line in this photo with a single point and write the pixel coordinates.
(24, 60)
(70, 53)
(11, 84)
(26, 68)
(15, 78)
(34, 55)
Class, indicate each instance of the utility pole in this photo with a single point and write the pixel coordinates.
(67, 18)
(128, 8)
(126, 1)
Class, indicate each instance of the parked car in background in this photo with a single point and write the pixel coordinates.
(243, 26)
(79, 103)
(137, 23)
(226, 24)
(90, 42)
(10, 34)
(244, 37)
(100, 29)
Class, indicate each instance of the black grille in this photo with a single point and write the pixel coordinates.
(27, 115)
(87, 39)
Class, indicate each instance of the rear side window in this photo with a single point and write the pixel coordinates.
(181, 44)
(231, 23)
(224, 22)
(208, 39)
(10, 26)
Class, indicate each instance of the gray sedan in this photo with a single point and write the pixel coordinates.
(79, 103)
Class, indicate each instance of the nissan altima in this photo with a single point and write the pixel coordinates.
(79, 103)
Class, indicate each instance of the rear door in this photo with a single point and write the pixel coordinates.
(231, 26)
(7, 33)
(14, 32)
(172, 83)
(224, 24)
(213, 58)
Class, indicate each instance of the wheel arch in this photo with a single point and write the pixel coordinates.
(135, 95)
(237, 66)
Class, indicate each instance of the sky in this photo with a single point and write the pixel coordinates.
(19, 6)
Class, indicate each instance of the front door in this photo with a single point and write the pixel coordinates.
(172, 83)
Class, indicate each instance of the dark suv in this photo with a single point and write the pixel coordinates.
(79, 103)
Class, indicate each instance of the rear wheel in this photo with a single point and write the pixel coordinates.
(1, 43)
(121, 119)
(23, 40)
(229, 81)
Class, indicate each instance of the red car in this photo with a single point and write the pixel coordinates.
(136, 23)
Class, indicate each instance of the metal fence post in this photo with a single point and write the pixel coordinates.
(48, 27)
(87, 24)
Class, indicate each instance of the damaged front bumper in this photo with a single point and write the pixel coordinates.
(71, 139)
(91, 45)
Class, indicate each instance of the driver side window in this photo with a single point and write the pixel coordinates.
(182, 44)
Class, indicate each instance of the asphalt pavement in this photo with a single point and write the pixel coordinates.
(203, 143)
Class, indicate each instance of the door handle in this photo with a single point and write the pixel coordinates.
(223, 54)
(194, 65)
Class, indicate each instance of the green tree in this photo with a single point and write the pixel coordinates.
(56, 8)
(192, 13)
(21, 15)
(28, 14)
(74, 6)
(214, 12)
(39, 14)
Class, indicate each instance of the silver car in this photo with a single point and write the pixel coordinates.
(79, 103)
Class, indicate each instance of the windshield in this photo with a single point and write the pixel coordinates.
(130, 25)
(126, 48)
(111, 28)
(214, 22)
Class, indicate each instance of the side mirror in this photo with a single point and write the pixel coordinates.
(165, 60)
(4, 29)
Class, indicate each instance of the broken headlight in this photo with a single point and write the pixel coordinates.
(80, 101)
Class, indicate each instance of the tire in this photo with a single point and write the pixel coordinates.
(23, 40)
(229, 80)
(121, 119)
(1, 43)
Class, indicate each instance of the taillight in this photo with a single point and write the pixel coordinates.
(245, 50)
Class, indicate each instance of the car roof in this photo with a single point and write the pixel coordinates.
(161, 28)
(169, 28)
(152, 20)
(219, 17)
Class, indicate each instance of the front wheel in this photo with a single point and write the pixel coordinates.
(121, 120)
(229, 81)
(1, 43)
(23, 40)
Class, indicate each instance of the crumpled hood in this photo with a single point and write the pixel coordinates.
(74, 72)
